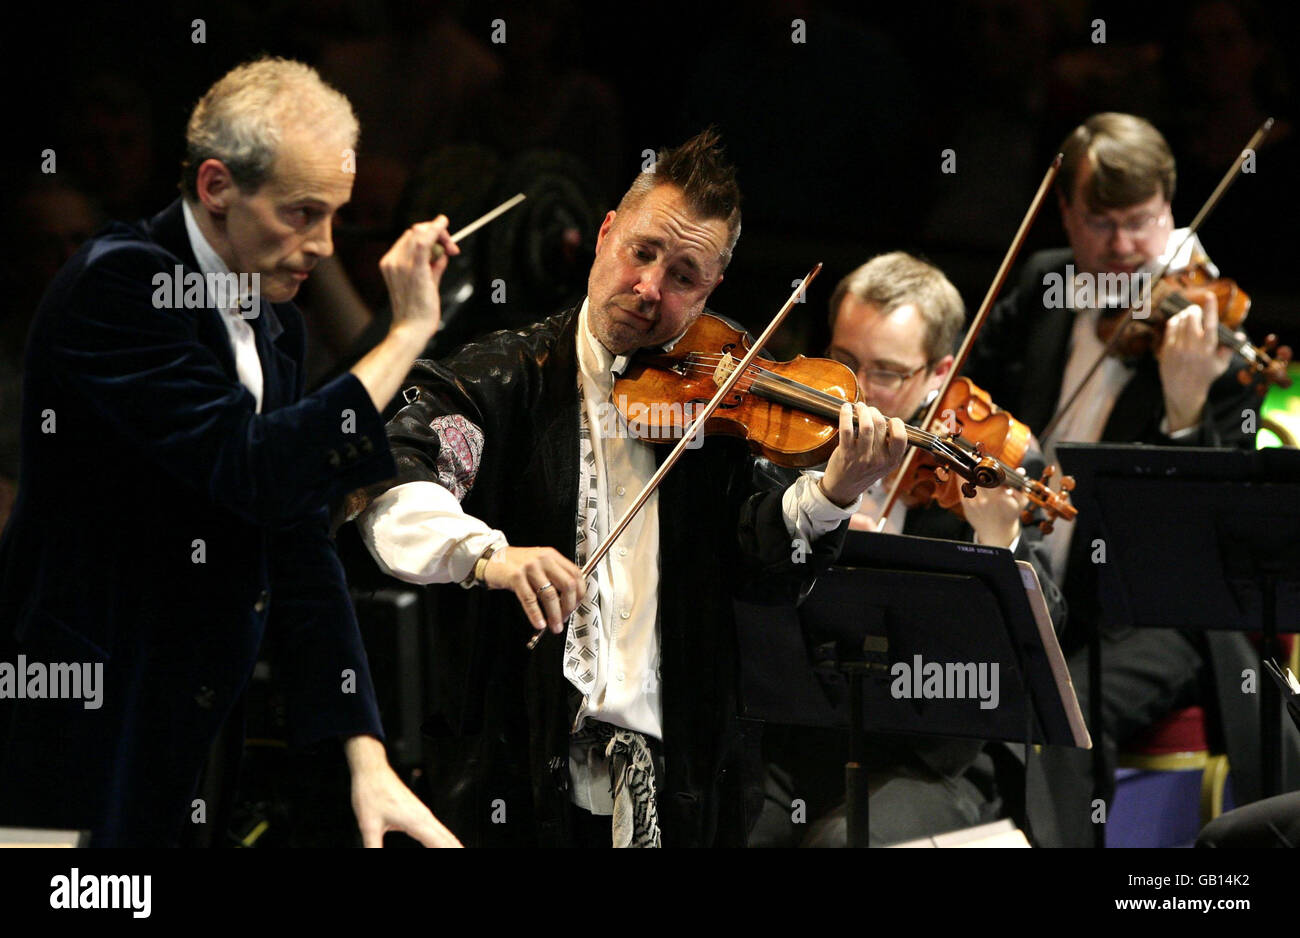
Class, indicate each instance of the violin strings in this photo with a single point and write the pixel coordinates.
(700, 362)
(703, 370)
(714, 359)
(753, 372)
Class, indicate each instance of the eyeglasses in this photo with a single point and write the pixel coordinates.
(885, 380)
(1138, 227)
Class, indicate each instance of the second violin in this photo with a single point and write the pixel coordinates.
(968, 414)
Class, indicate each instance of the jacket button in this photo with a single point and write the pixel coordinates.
(263, 599)
(205, 698)
(350, 453)
(366, 446)
(334, 460)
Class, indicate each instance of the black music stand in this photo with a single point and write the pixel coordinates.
(1195, 539)
(890, 599)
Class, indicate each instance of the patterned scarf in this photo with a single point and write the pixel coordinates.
(631, 779)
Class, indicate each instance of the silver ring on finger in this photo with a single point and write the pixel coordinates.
(544, 588)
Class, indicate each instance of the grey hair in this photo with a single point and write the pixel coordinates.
(241, 119)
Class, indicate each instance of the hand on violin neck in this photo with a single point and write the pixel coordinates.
(1190, 360)
(865, 454)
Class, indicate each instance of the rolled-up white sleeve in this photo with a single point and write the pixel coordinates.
(418, 532)
(808, 512)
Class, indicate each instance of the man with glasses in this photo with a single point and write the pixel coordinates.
(895, 322)
(1114, 191)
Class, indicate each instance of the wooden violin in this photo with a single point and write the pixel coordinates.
(967, 414)
(1265, 365)
(1171, 291)
(788, 411)
(702, 362)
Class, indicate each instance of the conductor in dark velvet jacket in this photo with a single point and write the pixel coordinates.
(172, 506)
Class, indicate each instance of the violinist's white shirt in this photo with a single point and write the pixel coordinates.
(418, 532)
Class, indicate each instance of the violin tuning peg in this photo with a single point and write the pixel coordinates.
(969, 489)
(1026, 517)
(1045, 526)
(1067, 483)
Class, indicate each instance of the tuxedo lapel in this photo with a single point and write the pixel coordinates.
(1047, 347)
(279, 368)
(1046, 350)
(556, 447)
(1138, 407)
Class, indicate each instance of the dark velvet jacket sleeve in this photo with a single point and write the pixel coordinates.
(319, 660)
(999, 358)
(140, 368)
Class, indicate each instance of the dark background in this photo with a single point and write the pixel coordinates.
(838, 140)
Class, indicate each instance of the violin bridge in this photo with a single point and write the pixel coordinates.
(725, 367)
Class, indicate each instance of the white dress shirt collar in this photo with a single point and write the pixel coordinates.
(243, 343)
(209, 260)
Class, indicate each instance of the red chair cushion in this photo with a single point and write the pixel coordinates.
(1285, 639)
(1180, 731)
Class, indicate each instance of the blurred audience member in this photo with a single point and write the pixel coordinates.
(44, 220)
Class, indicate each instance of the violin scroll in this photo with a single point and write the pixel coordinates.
(1265, 365)
(1055, 503)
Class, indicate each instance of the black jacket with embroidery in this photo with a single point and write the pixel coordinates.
(501, 726)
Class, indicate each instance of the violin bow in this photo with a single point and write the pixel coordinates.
(976, 324)
(1228, 179)
(693, 429)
